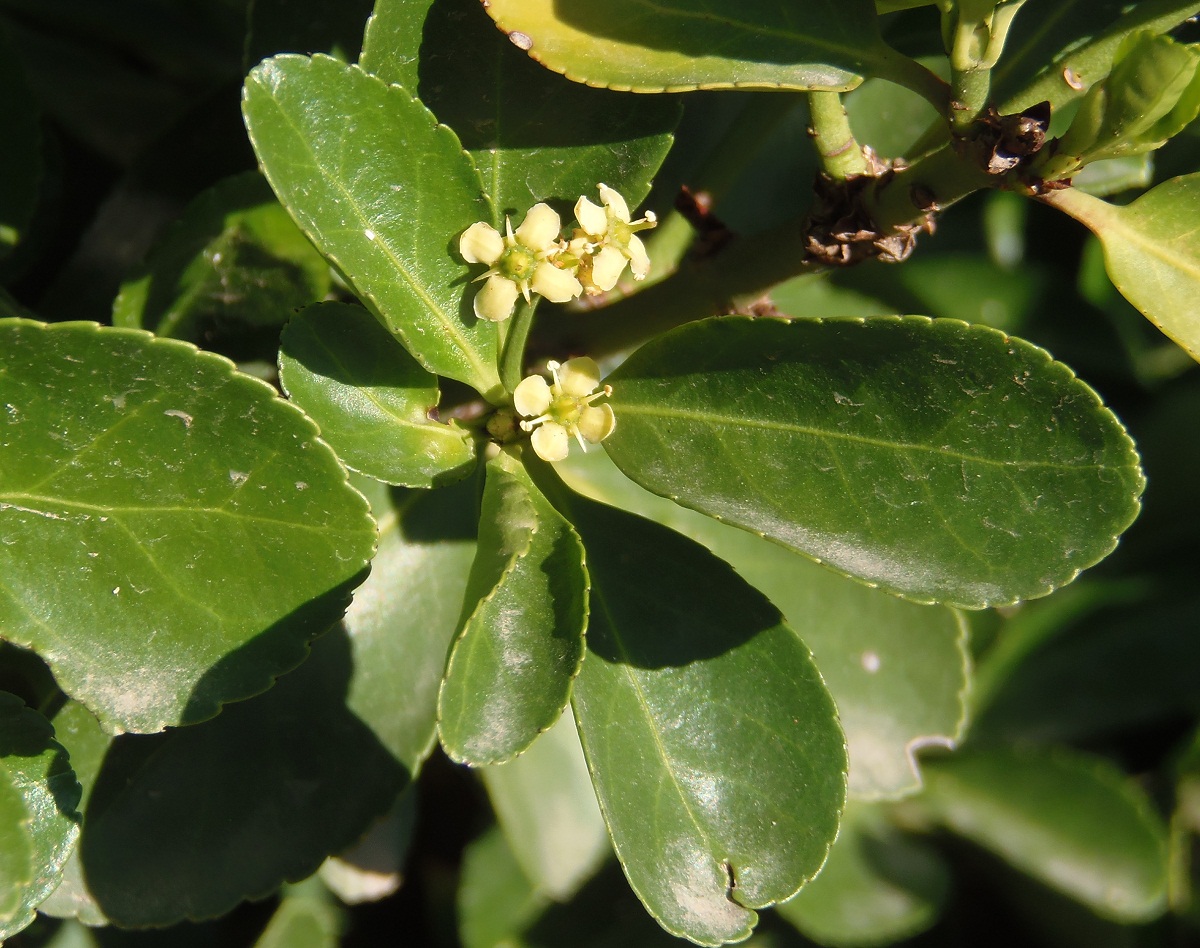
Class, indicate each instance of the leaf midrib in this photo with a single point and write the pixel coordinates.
(714, 419)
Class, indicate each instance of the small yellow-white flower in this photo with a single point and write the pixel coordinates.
(563, 409)
(519, 262)
(609, 229)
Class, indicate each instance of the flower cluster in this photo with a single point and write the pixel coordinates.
(536, 259)
(563, 409)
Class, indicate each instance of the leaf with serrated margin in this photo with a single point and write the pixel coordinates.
(384, 192)
(677, 45)
(510, 670)
(175, 533)
(188, 823)
(371, 398)
(878, 886)
(533, 136)
(713, 744)
(936, 460)
(1151, 251)
(36, 767)
(897, 671)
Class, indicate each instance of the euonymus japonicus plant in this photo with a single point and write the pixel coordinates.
(636, 474)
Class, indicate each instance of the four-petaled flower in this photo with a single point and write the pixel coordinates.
(563, 409)
(519, 262)
(613, 239)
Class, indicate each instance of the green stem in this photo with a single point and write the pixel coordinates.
(512, 361)
(750, 266)
(900, 69)
(840, 154)
(970, 89)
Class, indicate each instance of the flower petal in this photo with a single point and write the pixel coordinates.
(591, 217)
(596, 422)
(496, 300)
(481, 243)
(556, 285)
(614, 202)
(551, 442)
(606, 268)
(639, 260)
(532, 396)
(540, 228)
(578, 377)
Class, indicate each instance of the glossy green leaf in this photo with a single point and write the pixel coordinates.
(897, 671)
(391, 47)
(305, 918)
(17, 865)
(21, 157)
(547, 809)
(77, 729)
(35, 766)
(384, 192)
(197, 531)
(373, 868)
(1151, 251)
(1056, 51)
(878, 886)
(510, 669)
(235, 258)
(676, 46)
(189, 823)
(404, 616)
(1102, 178)
(1071, 820)
(713, 744)
(533, 136)
(371, 399)
(936, 460)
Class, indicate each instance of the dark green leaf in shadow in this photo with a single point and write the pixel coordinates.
(1107, 659)
(38, 820)
(188, 823)
(21, 162)
(372, 869)
(495, 899)
(1151, 251)
(713, 744)
(197, 531)
(306, 918)
(533, 136)
(939, 461)
(897, 671)
(510, 669)
(1070, 820)
(878, 886)
(307, 26)
(546, 807)
(404, 616)
(676, 46)
(234, 260)
(371, 398)
(384, 192)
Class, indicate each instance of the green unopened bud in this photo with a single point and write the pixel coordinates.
(974, 31)
(1152, 93)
